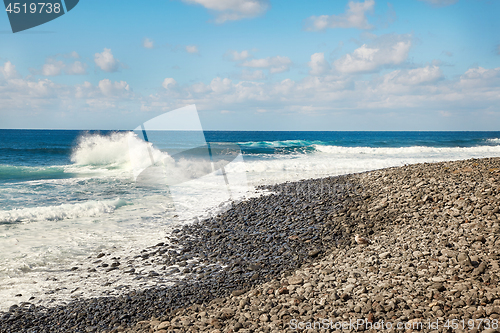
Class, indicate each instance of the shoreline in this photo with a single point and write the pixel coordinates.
(268, 243)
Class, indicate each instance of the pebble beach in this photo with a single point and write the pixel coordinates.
(288, 261)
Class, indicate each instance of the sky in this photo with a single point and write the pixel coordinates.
(257, 65)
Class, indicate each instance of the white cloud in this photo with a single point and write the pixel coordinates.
(422, 88)
(148, 43)
(106, 95)
(231, 10)
(480, 77)
(106, 61)
(276, 64)
(74, 54)
(421, 75)
(416, 90)
(219, 85)
(9, 71)
(76, 68)
(169, 83)
(192, 49)
(354, 17)
(29, 95)
(86, 89)
(247, 75)
(200, 88)
(32, 89)
(318, 64)
(105, 91)
(424, 75)
(52, 68)
(440, 3)
(391, 50)
(238, 56)
(55, 67)
(34, 96)
(480, 73)
(116, 88)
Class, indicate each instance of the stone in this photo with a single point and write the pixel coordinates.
(480, 269)
(384, 255)
(463, 259)
(314, 253)
(438, 279)
(237, 292)
(295, 280)
(163, 325)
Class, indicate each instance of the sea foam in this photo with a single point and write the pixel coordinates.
(115, 150)
(60, 212)
(415, 151)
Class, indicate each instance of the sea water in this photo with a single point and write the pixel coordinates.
(67, 195)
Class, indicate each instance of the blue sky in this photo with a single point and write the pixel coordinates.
(257, 65)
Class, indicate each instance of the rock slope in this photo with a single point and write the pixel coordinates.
(432, 265)
(288, 261)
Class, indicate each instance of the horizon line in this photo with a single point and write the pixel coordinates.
(212, 130)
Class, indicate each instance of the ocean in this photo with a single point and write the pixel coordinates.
(67, 195)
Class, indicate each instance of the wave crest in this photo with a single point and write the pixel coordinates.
(120, 150)
(62, 212)
(101, 150)
(278, 144)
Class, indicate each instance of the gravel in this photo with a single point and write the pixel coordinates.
(290, 256)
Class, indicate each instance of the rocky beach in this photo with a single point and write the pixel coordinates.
(288, 260)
